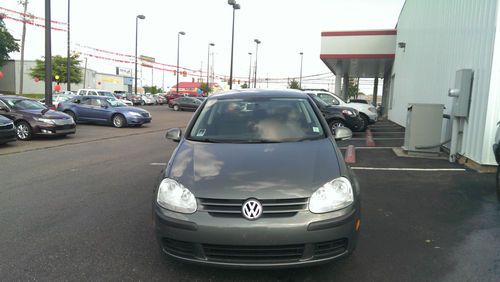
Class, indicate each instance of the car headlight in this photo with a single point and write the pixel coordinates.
(334, 195)
(135, 114)
(372, 109)
(45, 120)
(175, 197)
(349, 113)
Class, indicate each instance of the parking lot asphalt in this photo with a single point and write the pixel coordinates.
(82, 211)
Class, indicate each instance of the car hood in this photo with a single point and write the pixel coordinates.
(264, 171)
(131, 109)
(51, 114)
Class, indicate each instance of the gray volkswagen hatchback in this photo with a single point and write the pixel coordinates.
(257, 180)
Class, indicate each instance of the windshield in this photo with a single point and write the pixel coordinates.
(24, 104)
(115, 103)
(319, 101)
(257, 120)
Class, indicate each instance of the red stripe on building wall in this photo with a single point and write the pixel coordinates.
(357, 56)
(360, 32)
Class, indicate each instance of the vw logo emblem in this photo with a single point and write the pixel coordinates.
(252, 209)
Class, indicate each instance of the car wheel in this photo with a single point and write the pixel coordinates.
(71, 114)
(119, 121)
(142, 103)
(176, 108)
(366, 122)
(336, 123)
(24, 131)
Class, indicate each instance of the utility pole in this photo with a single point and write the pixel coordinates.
(85, 74)
(68, 62)
(23, 39)
(48, 55)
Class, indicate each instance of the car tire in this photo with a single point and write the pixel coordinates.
(119, 121)
(142, 103)
(24, 131)
(71, 114)
(176, 108)
(336, 123)
(366, 122)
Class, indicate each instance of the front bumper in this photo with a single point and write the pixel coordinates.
(138, 120)
(299, 240)
(373, 117)
(354, 123)
(46, 129)
(7, 135)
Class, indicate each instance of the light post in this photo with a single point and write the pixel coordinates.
(48, 55)
(250, 70)
(301, 60)
(257, 42)
(236, 6)
(178, 44)
(208, 64)
(139, 17)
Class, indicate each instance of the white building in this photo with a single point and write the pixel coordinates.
(433, 39)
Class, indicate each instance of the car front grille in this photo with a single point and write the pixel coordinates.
(254, 254)
(8, 126)
(260, 254)
(65, 121)
(330, 248)
(270, 208)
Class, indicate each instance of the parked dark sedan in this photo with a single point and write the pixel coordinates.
(7, 130)
(338, 116)
(33, 118)
(135, 99)
(104, 110)
(185, 103)
(257, 181)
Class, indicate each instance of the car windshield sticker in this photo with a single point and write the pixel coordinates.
(315, 129)
(201, 132)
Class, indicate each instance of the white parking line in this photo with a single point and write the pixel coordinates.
(407, 169)
(375, 138)
(158, 164)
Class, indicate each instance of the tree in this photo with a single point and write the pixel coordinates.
(244, 85)
(59, 69)
(151, 89)
(7, 43)
(293, 84)
(353, 90)
(206, 88)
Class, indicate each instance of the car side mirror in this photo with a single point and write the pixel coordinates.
(342, 133)
(174, 134)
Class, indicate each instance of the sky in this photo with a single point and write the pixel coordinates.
(285, 28)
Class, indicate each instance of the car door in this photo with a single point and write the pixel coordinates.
(100, 110)
(84, 109)
(8, 112)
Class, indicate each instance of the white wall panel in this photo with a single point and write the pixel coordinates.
(442, 37)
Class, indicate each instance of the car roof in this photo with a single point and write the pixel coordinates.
(93, 96)
(256, 93)
(15, 97)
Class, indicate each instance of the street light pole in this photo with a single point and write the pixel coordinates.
(178, 44)
(257, 42)
(301, 60)
(136, 39)
(236, 6)
(208, 64)
(250, 71)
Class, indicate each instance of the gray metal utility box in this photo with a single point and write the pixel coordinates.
(423, 129)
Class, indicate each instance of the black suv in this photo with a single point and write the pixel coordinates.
(338, 116)
(7, 130)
